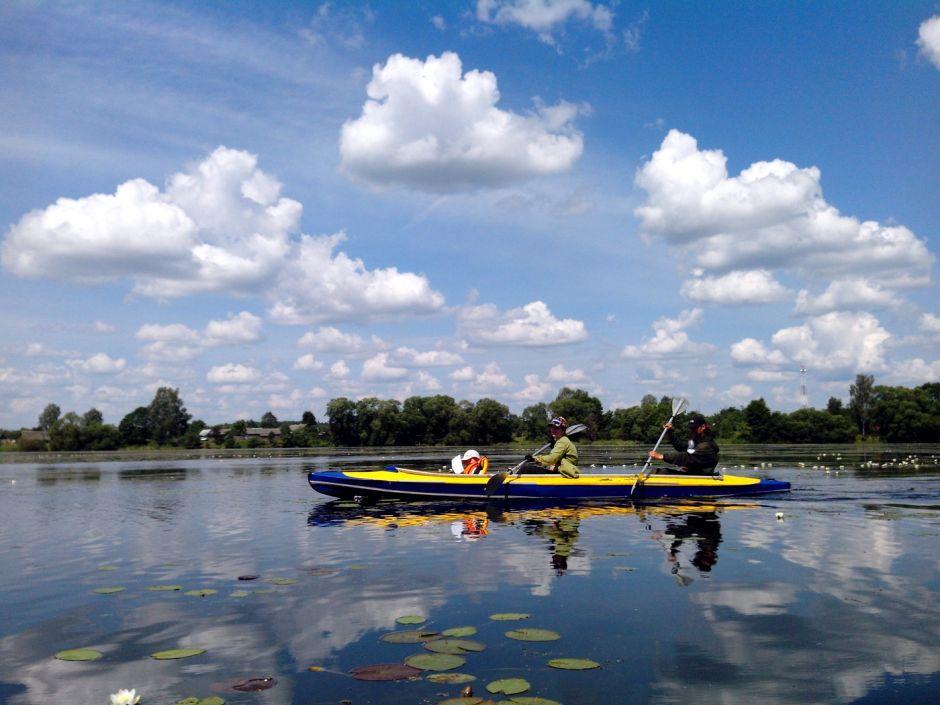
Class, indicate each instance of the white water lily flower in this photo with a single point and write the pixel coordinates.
(125, 697)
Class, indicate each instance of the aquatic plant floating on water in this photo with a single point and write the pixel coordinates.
(436, 662)
(171, 654)
(125, 697)
(454, 646)
(109, 590)
(460, 631)
(525, 700)
(533, 635)
(386, 672)
(253, 685)
(573, 664)
(509, 616)
(411, 619)
(164, 588)
(79, 655)
(451, 678)
(192, 700)
(282, 581)
(415, 636)
(202, 592)
(508, 686)
(462, 700)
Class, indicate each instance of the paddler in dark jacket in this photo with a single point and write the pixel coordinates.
(563, 457)
(701, 455)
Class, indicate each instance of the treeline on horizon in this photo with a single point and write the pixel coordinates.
(874, 412)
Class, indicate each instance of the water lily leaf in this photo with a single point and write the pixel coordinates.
(176, 653)
(191, 700)
(451, 678)
(416, 636)
(212, 700)
(523, 700)
(358, 567)
(533, 635)
(164, 588)
(460, 631)
(264, 591)
(573, 664)
(453, 646)
(202, 592)
(385, 672)
(283, 581)
(78, 655)
(508, 686)
(461, 701)
(436, 662)
(239, 593)
(108, 590)
(509, 616)
(411, 619)
(253, 685)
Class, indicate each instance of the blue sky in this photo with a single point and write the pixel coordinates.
(272, 205)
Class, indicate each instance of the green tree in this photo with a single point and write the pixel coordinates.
(341, 413)
(814, 426)
(168, 416)
(49, 416)
(759, 422)
(308, 419)
(135, 427)
(66, 433)
(903, 415)
(533, 423)
(835, 407)
(269, 420)
(92, 417)
(490, 422)
(621, 422)
(577, 406)
(729, 424)
(861, 401)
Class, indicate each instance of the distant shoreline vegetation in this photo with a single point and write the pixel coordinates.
(874, 413)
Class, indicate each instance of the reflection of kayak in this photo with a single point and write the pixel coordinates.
(400, 482)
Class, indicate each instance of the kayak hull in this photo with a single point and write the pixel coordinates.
(417, 484)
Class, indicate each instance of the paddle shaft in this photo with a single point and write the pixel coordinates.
(677, 408)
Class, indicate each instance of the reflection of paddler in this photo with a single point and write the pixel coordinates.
(705, 528)
(470, 528)
(562, 535)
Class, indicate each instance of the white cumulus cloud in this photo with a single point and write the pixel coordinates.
(928, 39)
(740, 287)
(531, 325)
(233, 373)
(377, 369)
(307, 362)
(319, 286)
(669, 338)
(243, 327)
(847, 295)
(409, 357)
(430, 126)
(330, 339)
(99, 363)
(544, 16)
(771, 216)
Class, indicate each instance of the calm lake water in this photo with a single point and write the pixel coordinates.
(835, 602)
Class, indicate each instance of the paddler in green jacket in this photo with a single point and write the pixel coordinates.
(563, 457)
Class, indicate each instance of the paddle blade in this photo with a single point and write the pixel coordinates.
(679, 405)
(576, 429)
(494, 483)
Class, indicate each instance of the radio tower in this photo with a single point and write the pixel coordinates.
(804, 401)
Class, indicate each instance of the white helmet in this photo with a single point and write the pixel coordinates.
(470, 454)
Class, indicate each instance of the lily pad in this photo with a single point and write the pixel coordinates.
(108, 590)
(462, 701)
(192, 700)
(573, 664)
(436, 662)
(533, 635)
(454, 646)
(164, 588)
(451, 678)
(534, 701)
(282, 581)
(416, 636)
(78, 655)
(460, 631)
(411, 619)
(253, 685)
(202, 592)
(508, 686)
(385, 672)
(509, 616)
(176, 653)
(321, 572)
(358, 567)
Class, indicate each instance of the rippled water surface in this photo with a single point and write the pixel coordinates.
(834, 602)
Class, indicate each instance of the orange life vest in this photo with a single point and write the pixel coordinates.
(476, 465)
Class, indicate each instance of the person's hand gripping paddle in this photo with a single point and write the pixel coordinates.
(497, 480)
(678, 406)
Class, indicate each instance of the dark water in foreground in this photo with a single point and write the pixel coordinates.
(836, 602)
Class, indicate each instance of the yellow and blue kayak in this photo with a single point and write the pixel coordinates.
(392, 482)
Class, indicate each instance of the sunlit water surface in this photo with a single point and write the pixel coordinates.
(834, 602)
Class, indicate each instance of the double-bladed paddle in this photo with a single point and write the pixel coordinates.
(499, 478)
(678, 406)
